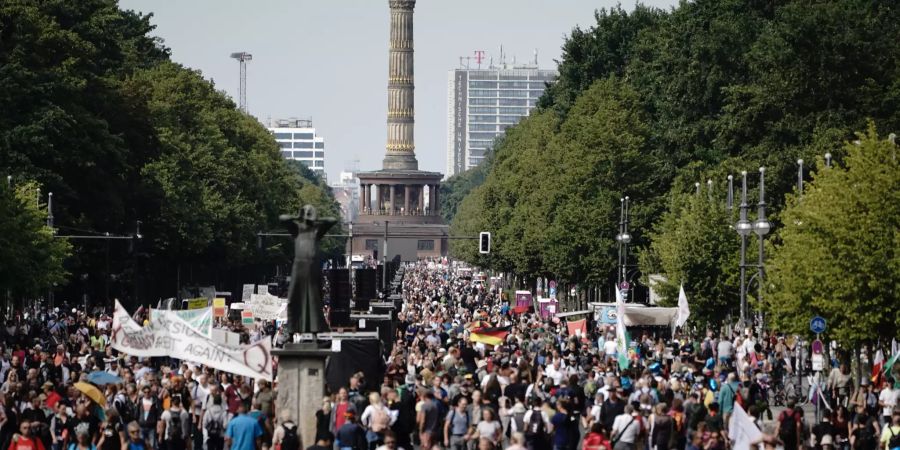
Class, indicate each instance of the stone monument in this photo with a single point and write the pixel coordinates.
(301, 366)
(400, 194)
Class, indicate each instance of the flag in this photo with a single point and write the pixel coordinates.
(888, 366)
(877, 365)
(489, 335)
(741, 430)
(577, 328)
(621, 333)
(683, 310)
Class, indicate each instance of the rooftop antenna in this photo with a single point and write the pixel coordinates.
(479, 56)
(535, 57)
(502, 58)
(242, 58)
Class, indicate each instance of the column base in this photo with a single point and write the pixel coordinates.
(400, 162)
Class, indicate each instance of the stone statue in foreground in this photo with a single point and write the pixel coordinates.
(305, 309)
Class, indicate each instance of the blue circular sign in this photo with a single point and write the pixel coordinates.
(817, 325)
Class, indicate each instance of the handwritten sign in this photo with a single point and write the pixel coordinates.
(171, 336)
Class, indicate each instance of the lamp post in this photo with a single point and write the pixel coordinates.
(800, 178)
(623, 238)
(743, 228)
(761, 227)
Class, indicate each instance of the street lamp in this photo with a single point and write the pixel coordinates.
(624, 238)
(743, 228)
(828, 159)
(800, 178)
(761, 227)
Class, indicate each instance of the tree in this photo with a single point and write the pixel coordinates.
(694, 245)
(31, 259)
(837, 253)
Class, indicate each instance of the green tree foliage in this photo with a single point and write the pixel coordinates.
(837, 254)
(457, 187)
(707, 89)
(31, 259)
(696, 246)
(95, 112)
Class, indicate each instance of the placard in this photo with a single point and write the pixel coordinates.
(246, 292)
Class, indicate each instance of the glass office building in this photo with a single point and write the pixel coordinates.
(482, 104)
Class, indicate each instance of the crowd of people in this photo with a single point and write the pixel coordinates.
(534, 387)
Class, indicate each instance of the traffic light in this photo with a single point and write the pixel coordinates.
(484, 240)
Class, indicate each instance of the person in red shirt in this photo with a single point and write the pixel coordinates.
(595, 439)
(23, 440)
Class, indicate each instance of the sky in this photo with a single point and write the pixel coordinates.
(327, 59)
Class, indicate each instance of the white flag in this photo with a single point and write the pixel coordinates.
(742, 430)
(622, 339)
(683, 310)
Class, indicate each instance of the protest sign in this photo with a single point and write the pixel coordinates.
(247, 292)
(238, 306)
(262, 289)
(219, 307)
(266, 307)
(201, 319)
(197, 303)
(171, 336)
(247, 318)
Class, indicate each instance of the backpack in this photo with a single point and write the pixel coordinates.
(865, 437)
(537, 429)
(380, 420)
(214, 426)
(894, 442)
(519, 419)
(290, 440)
(174, 429)
(788, 431)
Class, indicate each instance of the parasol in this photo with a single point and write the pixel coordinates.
(91, 392)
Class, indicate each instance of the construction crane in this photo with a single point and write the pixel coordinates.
(242, 58)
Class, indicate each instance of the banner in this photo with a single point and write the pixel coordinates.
(684, 311)
(171, 336)
(266, 307)
(201, 319)
(524, 301)
(247, 318)
(197, 303)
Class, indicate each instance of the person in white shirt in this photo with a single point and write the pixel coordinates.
(887, 400)
(625, 430)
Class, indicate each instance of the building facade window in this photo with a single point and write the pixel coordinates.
(482, 127)
(426, 244)
(303, 144)
(303, 154)
(284, 144)
(483, 101)
(371, 244)
(482, 85)
(320, 163)
(305, 136)
(282, 135)
(482, 110)
(320, 154)
(320, 145)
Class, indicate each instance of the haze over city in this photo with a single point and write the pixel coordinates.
(327, 60)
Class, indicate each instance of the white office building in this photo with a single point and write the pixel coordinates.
(299, 141)
(483, 103)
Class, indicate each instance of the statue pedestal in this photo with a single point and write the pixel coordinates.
(301, 386)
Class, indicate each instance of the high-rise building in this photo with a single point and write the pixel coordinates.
(483, 102)
(299, 141)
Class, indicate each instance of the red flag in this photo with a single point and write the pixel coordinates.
(577, 328)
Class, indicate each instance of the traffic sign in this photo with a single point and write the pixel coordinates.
(624, 285)
(817, 325)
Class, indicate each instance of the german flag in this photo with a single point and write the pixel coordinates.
(489, 335)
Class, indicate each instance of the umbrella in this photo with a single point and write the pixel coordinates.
(102, 378)
(92, 392)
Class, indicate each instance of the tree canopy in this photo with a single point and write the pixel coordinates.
(96, 112)
(837, 252)
(647, 103)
